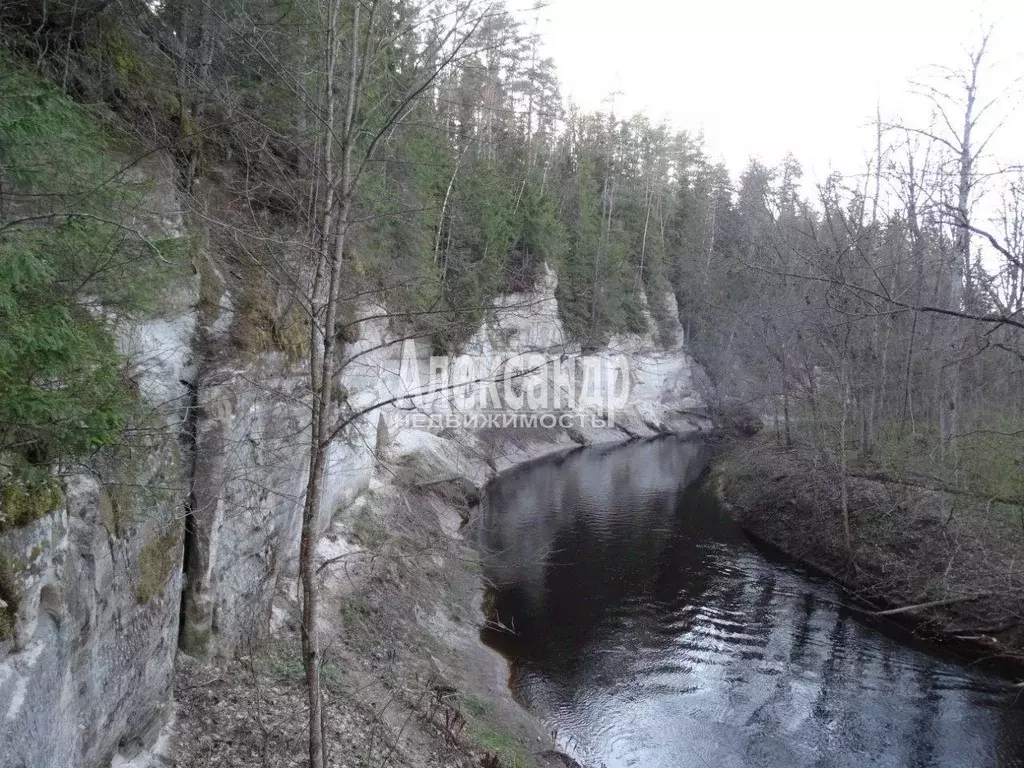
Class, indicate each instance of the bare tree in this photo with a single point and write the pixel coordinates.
(954, 96)
(349, 132)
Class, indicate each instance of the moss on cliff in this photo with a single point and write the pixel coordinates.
(157, 561)
(8, 601)
(258, 327)
(24, 503)
(117, 508)
(141, 476)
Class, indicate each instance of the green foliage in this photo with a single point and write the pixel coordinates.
(509, 749)
(489, 603)
(62, 392)
(985, 461)
(541, 237)
(473, 253)
(474, 707)
(990, 459)
(354, 614)
(372, 533)
(402, 196)
(451, 229)
(66, 265)
(599, 291)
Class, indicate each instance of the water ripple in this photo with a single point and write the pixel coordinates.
(653, 635)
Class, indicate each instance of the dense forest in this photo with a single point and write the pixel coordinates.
(471, 172)
(420, 155)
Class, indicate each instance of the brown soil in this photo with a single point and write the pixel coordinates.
(911, 545)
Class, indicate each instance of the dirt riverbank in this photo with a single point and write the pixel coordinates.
(949, 567)
(407, 680)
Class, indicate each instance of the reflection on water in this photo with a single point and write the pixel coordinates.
(648, 632)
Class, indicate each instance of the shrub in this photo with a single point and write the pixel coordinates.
(66, 265)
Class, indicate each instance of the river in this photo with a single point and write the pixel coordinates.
(645, 630)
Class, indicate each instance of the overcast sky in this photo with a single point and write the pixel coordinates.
(764, 78)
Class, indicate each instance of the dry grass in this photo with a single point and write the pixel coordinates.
(912, 544)
(403, 623)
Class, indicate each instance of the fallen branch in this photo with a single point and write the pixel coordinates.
(880, 476)
(992, 629)
(932, 604)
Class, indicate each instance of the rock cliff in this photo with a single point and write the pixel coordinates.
(186, 540)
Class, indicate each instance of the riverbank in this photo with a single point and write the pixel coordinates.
(407, 680)
(945, 565)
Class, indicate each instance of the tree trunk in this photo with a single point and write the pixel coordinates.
(310, 608)
(785, 400)
(843, 486)
(324, 304)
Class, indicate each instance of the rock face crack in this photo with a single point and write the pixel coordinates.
(188, 443)
(122, 595)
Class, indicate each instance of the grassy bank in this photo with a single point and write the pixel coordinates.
(947, 563)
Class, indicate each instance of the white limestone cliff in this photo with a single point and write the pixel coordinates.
(111, 583)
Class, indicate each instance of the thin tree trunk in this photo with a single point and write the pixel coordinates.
(785, 399)
(326, 289)
(843, 483)
(643, 244)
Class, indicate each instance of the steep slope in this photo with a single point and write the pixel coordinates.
(193, 543)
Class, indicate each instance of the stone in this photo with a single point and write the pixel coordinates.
(98, 608)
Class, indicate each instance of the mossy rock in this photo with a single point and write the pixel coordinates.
(258, 328)
(211, 284)
(8, 601)
(157, 561)
(291, 334)
(117, 508)
(24, 503)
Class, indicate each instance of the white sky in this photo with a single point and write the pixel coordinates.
(763, 78)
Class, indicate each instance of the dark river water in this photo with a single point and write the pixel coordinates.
(646, 631)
